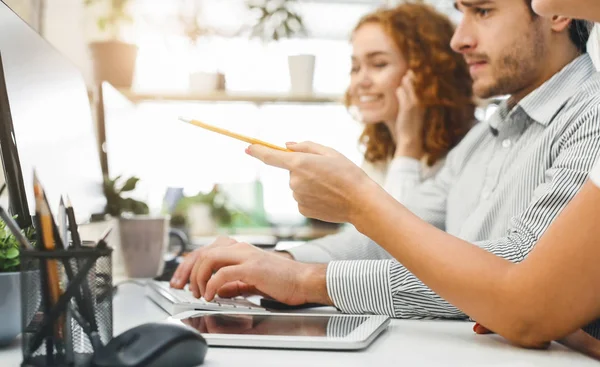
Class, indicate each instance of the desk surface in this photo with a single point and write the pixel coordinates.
(408, 343)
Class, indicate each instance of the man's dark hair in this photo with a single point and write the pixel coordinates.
(579, 31)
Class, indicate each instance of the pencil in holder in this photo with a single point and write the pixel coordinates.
(66, 300)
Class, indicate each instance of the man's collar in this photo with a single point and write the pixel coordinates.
(544, 103)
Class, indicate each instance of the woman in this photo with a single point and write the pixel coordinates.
(412, 92)
(414, 95)
(550, 295)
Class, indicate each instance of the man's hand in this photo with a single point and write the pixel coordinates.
(326, 185)
(182, 274)
(285, 254)
(229, 268)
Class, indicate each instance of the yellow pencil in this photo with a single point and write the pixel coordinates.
(47, 236)
(232, 134)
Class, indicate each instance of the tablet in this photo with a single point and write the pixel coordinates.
(285, 330)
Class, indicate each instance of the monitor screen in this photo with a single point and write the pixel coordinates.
(50, 120)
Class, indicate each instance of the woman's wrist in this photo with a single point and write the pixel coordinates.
(366, 201)
(411, 149)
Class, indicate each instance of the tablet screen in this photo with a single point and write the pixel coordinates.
(275, 325)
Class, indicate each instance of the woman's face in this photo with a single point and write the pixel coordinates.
(578, 9)
(377, 71)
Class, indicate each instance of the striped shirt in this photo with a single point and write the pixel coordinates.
(500, 189)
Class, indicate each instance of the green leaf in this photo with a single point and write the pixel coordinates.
(115, 203)
(130, 184)
(12, 262)
(102, 23)
(140, 208)
(12, 253)
(137, 207)
(110, 185)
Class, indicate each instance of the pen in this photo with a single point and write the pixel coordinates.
(15, 230)
(232, 134)
(73, 224)
(88, 305)
(13, 226)
(102, 241)
(62, 223)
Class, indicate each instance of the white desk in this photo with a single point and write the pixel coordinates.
(405, 343)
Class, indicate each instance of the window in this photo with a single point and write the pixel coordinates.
(149, 141)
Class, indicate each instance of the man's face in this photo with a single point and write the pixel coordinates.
(503, 43)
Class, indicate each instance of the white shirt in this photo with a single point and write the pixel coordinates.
(595, 174)
(398, 176)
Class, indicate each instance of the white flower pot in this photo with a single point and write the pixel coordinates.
(302, 70)
(200, 220)
(203, 82)
(141, 246)
(10, 307)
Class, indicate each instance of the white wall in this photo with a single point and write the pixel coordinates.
(21, 7)
(64, 25)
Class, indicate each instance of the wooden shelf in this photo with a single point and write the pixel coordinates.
(137, 97)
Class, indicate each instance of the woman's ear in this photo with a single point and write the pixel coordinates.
(560, 23)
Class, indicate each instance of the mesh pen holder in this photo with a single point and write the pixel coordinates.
(65, 330)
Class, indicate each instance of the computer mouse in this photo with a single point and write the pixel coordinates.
(153, 345)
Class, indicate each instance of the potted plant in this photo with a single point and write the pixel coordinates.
(10, 306)
(277, 19)
(202, 81)
(141, 240)
(116, 202)
(114, 60)
(201, 214)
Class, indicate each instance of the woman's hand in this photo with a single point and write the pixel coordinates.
(482, 330)
(410, 121)
(326, 185)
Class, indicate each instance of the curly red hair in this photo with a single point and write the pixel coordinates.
(442, 81)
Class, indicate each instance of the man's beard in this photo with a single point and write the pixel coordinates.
(516, 69)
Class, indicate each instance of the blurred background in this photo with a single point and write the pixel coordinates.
(272, 69)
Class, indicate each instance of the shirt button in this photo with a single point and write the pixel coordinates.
(506, 143)
(485, 195)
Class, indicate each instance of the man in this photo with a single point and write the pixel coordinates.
(500, 189)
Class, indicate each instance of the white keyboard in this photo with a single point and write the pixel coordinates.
(178, 300)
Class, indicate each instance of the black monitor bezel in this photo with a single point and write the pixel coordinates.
(11, 163)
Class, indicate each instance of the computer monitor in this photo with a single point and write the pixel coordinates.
(10, 158)
(46, 124)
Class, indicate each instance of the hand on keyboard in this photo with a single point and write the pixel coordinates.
(220, 304)
(182, 275)
(231, 268)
